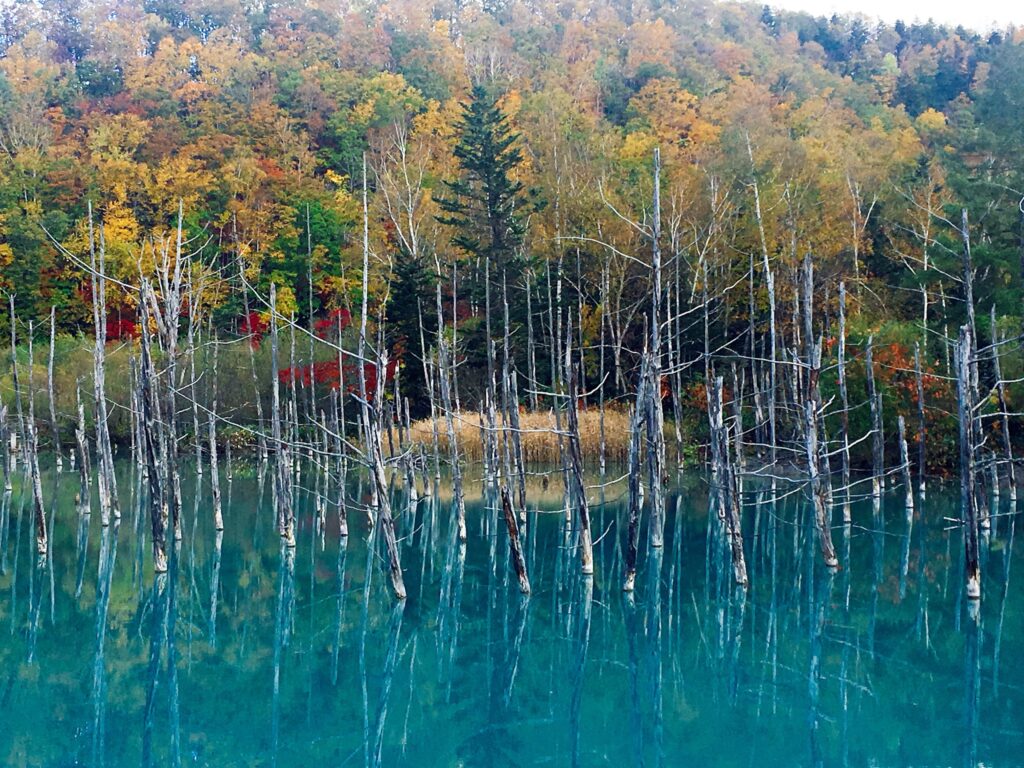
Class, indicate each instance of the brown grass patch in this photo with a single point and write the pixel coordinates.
(538, 435)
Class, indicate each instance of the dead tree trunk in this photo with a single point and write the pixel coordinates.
(218, 517)
(282, 473)
(922, 426)
(844, 416)
(54, 425)
(387, 524)
(32, 449)
(908, 484)
(633, 476)
(815, 450)
(877, 438)
(968, 470)
(1011, 474)
(443, 364)
(105, 476)
(655, 412)
(82, 447)
(515, 548)
(578, 488)
(150, 401)
(725, 476)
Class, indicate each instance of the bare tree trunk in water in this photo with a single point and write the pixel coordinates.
(218, 518)
(968, 470)
(812, 405)
(1011, 475)
(82, 447)
(725, 478)
(151, 419)
(922, 427)
(32, 448)
(633, 534)
(575, 465)
(844, 398)
(908, 482)
(877, 438)
(54, 429)
(515, 548)
(282, 475)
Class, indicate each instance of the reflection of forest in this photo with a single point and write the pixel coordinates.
(249, 650)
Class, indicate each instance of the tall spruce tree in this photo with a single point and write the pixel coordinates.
(485, 204)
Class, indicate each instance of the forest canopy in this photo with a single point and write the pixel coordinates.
(513, 139)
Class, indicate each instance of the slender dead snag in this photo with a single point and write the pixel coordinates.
(968, 471)
(192, 295)
(555, 341)
(340, 459)
(968, 280)
(813, 427)
(812, 406)
(251, 344)
(514, 545)
(375, 459)
(82, 447)
(575, 464)
(517, 449)
(218, 517)
(106, 481)
(655, 413)
(633, 479)
(150, 401)
(603, 443)
(6, 455)
(29, 447)
(54, 426)
(531, 355)
(737, 420)
(772, 334)
(429, 377)
(32, 451)
(444, 365)
(908, 483)
(725, 480)
(1011, 473)
(922, 425)
(877, 439)
(282, 472)
(21, 432)
(976, 435)
(844, 416)
(364, 398)
(387, 523)
(166, 313)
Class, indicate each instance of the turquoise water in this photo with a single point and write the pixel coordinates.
(248, 655)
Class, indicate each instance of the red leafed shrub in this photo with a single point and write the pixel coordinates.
(119, 328)
(326, 373)
(337, 319)
(253, 325)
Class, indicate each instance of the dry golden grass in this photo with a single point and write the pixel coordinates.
(539, 438)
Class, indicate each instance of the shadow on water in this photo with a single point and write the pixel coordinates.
(249, 653)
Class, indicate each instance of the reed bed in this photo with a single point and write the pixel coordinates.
(539, 435)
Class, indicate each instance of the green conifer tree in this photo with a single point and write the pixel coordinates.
(486, 205)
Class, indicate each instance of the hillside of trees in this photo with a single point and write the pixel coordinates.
(505, 149)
